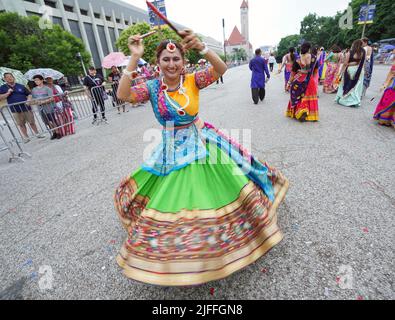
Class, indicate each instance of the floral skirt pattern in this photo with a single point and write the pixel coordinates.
(198, 224)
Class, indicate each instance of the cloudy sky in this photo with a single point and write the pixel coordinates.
(269, 20)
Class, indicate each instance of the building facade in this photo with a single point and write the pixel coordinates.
(97, 23)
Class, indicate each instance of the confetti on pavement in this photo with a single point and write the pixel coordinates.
(326, 292)
(28, 263)
(212, 290)
(33, 276)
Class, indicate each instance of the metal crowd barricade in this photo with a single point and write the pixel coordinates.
(56, 116)
(11, 139)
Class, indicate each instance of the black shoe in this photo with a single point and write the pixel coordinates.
(303, 117)
(58, 136)
(54, 136)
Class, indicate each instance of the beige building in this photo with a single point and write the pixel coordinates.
(97, 23)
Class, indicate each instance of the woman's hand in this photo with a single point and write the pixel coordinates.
(190, 40)
(135, 44)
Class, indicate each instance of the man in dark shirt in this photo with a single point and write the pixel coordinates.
(94, 88)
(16, 95)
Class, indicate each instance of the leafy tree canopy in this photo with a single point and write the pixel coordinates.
(25, 46)
(152, 42)
(286, 43)
(325, 31)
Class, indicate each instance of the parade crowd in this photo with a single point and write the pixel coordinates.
(346, 73)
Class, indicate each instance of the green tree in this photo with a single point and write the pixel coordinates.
(26, 46)
(239, 54)
(152, 42)
(325, 31)
(285, 44)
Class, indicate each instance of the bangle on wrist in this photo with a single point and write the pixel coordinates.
(128, 73)
(204, 51)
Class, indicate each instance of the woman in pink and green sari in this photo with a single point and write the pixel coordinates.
(334, 61)
(385, 111)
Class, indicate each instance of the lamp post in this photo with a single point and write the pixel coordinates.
(223, 27)
(79, 56)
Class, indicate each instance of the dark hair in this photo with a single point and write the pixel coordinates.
(305, 48)
(357, 48)
(336, 49)
(314, 51)
(258, 52)
(38, 76)
(364, 39)
(162, 46)
(92, 68)
(292, 53)
(9, 74)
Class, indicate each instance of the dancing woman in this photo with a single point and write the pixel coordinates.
(333, 61)
(201, 207)
(287, 63)
(385, 111)
(303, 84)
(350, 90)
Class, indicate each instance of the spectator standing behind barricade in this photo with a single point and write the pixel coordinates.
(63, 110)
(114, 78)
(94, 88)
(43, 97)
(16, 95)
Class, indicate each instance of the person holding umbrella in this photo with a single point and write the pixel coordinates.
(114, 78)
(44, 98)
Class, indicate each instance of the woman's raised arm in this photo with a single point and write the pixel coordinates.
(191, 41)
(136, 52)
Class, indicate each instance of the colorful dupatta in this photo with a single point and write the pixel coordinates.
(349, 83)
(298, 89)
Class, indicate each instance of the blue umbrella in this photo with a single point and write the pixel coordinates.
(389, 47)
